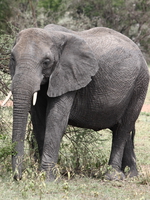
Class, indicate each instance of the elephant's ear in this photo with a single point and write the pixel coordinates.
(76, 66)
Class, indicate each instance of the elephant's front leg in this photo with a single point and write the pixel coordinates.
(58, 111)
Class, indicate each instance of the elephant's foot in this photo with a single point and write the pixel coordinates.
(132, 173)
(52, 172)
(114, 175)
(17, 177)
(50, 178)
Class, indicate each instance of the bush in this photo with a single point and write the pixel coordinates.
(6, 146)
(6, 42)
(82, 152)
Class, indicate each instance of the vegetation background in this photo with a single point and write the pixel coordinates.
(83, 153)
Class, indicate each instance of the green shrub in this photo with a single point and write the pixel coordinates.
(52, 5)
(6, 147)
(82, 152)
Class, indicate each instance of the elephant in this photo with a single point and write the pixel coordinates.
(93, 79)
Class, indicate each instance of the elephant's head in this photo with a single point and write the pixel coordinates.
(62, 60)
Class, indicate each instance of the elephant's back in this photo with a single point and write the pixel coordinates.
(101, 33)
(104, 41)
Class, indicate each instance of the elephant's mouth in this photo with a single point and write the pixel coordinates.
(45, 80)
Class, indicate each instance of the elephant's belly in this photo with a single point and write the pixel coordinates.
(95, 120)
(98, 111)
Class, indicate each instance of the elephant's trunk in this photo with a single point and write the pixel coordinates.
(20, 114)
(22, 97)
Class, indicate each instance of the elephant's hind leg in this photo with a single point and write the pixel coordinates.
(129, 158)
(118, 143)
(122, 152)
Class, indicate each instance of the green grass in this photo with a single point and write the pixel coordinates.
(79, 187)
(75, 189)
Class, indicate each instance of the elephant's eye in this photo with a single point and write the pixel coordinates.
(46, 62)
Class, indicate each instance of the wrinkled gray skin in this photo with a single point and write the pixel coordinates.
(93, 79)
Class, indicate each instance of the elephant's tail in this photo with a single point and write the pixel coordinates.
(132, 136)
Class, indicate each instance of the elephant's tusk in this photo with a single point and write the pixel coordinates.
(7, 98)
(34, 98)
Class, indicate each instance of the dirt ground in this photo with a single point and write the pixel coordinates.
(146, 108)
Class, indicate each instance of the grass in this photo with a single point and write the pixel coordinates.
(75, 189)
(79, 187)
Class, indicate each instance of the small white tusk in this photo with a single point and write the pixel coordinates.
(34, 98)
(7, 98)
